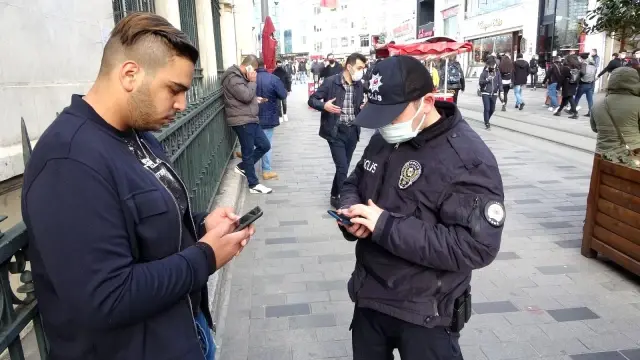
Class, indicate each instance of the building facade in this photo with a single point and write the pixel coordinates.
(47, 67)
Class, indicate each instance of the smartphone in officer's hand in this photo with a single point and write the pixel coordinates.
(249, 218)
(343, 219)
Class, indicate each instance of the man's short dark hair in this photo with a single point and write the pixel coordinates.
(519, 56)
(353, 58)
(260, 63)
(148, 39)
(279, 61)
(329, 55)
(250, 60)
(615, 55)
(595, 51)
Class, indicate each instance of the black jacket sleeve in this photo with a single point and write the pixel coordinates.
(85, 248)
(463, 240)
(320, 96)
(349, 194)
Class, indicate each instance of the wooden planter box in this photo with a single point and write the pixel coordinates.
(612, 226)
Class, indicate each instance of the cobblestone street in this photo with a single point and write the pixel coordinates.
(540, 299)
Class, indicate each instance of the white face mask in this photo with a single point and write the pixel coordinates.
(357, 76)
(401, 132)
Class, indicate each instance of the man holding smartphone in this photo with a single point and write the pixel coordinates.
(426, 203)
(241, 109)
(119, 259)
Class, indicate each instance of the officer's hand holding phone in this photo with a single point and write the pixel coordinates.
(358, 230)
(365, 215)
(225, 242)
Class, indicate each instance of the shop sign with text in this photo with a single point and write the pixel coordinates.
(450, 12)
(425, 31)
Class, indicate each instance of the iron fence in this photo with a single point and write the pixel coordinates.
(189, 25)
(217, 34)
(199, 143)
(122, 8)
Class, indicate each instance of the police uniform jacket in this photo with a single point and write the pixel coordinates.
(442, 197)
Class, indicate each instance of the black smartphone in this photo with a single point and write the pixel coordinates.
(249, 218)
(343, 219)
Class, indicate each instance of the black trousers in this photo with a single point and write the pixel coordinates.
(375, 335)
(282, 107)
(456, 92)
(342, 147)
(568, 100)
(505, 93)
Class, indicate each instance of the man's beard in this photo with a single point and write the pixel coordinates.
(142, 110)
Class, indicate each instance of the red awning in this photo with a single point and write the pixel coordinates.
(430, 48)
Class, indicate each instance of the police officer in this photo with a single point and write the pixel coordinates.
(426, 203)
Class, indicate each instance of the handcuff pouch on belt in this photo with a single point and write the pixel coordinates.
(461, 311)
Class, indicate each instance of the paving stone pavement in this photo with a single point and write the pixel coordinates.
(540, 299)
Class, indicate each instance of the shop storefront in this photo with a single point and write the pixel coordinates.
(561, 30)
(505, 30)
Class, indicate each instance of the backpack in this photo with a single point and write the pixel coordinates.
(574, 76)
(589, 74)
(454, 75)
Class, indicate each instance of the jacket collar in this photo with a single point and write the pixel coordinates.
(82, 109)
(449, 118)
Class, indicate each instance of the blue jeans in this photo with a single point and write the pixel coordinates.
(517, 92)
(552, 93)
(489, 107)
(266, 159)
(253, 144)
(586, 89)
(342, 147)
(206, 338)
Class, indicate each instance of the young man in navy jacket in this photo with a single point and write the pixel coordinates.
(119, 261)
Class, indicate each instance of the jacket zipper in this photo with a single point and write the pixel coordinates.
(143, 145)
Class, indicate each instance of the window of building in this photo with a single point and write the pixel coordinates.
(316, 10)
(344, 41)
(353, 40)
(353, 25)
(334, 43)
(317, 46)
(485, 46)
(304, 40)
(364, 41)
(487, 6)
(450, 27)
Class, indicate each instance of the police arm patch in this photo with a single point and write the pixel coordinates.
(410, 172)
(495, 213)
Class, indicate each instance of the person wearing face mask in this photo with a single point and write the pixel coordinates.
(340, 98)
(332, 68)
(426, 204)
(490, 87)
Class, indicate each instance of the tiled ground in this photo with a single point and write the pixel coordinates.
(539, 300)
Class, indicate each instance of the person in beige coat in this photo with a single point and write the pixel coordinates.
(621, 106)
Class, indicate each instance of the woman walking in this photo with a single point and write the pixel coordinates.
(506, 71)
(569, 80)
(490, 86)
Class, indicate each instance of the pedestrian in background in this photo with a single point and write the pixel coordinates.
(506, 72)
(553, 79)
(570, 78)
(286, 81)
(533, 71)
(490, 83)
(588, 71)
(520, 75)
(242, 107)
(332, 67)
(340, 98)
(454, 78)
(271, 90)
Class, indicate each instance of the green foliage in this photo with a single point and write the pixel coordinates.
(626, 158)
(618, 18)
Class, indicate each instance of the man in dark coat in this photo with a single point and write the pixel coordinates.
(333, 67)
(520, 76)
(340, 98)
(270, 89)
(285, 77)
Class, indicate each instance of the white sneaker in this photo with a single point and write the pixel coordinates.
(260, 189)
(285, 118)
(555, 109)
(578, 108)
(550, 108)
(280, 120)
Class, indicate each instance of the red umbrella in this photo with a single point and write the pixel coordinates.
(269, 45)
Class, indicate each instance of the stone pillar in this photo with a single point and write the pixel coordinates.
(169, 10)
(206, 39)
(228, 34)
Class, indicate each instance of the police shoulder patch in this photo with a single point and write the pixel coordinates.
(495, 213)
(410, 172)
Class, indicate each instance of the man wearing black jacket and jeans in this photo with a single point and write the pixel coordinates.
(426, 203)
(285, 77)
(340, 98)
(119, 259)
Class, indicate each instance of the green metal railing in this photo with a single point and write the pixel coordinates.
(217, 34)
(122, 8)
(189, 25)
(199, 144)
